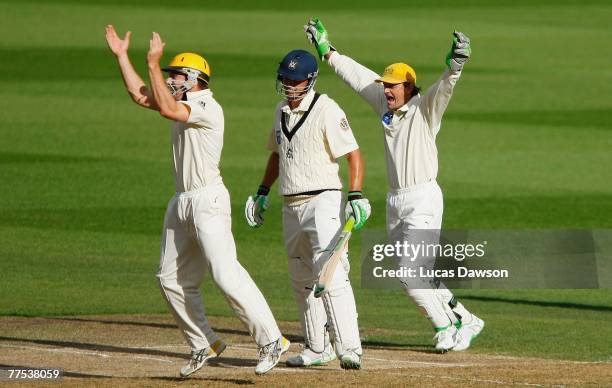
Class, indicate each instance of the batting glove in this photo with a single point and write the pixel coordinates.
(357, 207)
(317, 35)
(459, 53)
(256, 206)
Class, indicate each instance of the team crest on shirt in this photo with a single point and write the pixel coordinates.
(344, 124)
(202, 104)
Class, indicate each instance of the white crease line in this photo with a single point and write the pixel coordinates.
(546, 360)
(160, 346)
(450, 364)
(430, 363)
(277, 369)
(96, 354)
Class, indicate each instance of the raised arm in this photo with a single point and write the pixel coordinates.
(436, 99)
(357, 76)
(168, 106)
(134, 85)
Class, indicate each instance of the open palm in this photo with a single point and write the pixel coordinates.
(117, 45)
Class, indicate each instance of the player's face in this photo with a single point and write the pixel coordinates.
(397, 94)
(295, 89)
(176, 80)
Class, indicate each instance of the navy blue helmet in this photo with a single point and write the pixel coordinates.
(298, 65)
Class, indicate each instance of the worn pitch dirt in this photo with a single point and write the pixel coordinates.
(123, 350)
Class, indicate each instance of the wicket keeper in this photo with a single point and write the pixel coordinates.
(411, 122)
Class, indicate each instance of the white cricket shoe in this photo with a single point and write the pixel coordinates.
(309, 357)
(198, 358)
(270, 354)
(350, 360)
(467, 332)
(445, 339)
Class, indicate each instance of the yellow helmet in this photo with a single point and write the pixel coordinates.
(192, 61)
(398, 73)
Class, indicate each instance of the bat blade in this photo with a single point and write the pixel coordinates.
(330, 259)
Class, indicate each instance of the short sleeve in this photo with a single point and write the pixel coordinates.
(202, 113)
(338, 132)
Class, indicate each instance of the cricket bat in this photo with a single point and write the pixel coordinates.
(331, 258)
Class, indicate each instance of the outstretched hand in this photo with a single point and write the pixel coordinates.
(117, 45)
(460, 51)
(317, 35)
(156, 48)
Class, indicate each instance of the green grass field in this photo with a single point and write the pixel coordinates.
(86, 174)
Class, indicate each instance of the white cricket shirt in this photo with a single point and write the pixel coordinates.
(410, 131)
(197, 144)
(309, 144)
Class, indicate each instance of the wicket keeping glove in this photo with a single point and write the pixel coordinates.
(357, 207)
(460, 51)
(317, 35)
(256, 206)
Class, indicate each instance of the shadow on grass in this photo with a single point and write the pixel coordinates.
(397, 346)
(568, 305)
(387, 345)
(290, 337)
(217, 362)
(95, 347)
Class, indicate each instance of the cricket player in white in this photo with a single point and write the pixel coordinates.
(310, 132)
(197, 227)
(411, 122)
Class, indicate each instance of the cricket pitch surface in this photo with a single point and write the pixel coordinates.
(148, 350)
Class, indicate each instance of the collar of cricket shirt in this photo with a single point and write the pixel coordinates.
(304, 104)
(410, 106)
(198, 94)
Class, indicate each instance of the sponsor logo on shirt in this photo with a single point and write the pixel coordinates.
(387, 117)
(344, 124)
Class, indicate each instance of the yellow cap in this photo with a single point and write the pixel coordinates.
(398, 73)
(192, 61)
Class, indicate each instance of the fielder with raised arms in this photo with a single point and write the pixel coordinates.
(197, 227)
(309, 134)
(410, 123)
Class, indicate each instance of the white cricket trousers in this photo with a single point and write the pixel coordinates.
(309, 228)
(198, 237)
(414, 214)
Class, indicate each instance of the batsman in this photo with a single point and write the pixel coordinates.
(309, 134)
(411, 122)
